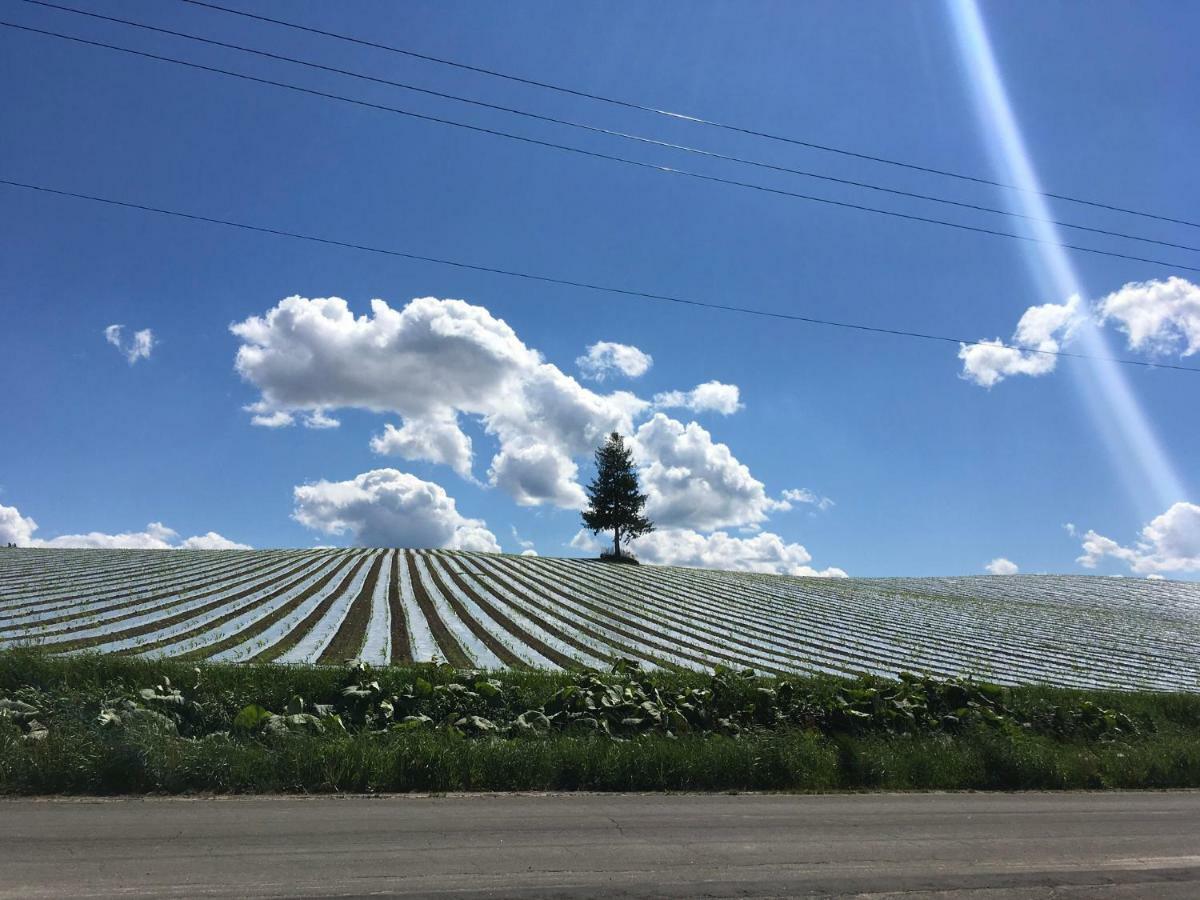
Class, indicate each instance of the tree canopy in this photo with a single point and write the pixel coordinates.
(615, 500)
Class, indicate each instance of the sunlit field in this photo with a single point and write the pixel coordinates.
(491, 611)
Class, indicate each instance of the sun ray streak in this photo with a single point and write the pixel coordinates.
(1136, 451)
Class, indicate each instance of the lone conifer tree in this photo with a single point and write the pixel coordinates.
(614, 501)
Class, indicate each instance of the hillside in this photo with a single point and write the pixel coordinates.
(492, 611)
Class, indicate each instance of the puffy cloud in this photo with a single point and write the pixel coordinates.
(212, 541)
(137, 348)
(430, 362)
(156, 537)
(18, 529)
(439, 441)
(712, 396)
(534, 472)
(1168, 543)
(15, 528)
(693, 481)
(1043, 328)
(265, 417)
(1156, 316)
(389, 508)
(763, 552)
(804, 495)
(604, 358)
(435, 361)
(1002, 566)
(318, 419)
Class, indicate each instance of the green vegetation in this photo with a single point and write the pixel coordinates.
(108, 724)
(615, 500)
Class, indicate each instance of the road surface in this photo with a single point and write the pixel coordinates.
(626, 845)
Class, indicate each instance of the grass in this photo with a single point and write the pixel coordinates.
(79, 756)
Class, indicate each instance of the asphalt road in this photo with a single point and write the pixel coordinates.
(588, 845)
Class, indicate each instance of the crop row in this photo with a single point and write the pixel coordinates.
(495, 611)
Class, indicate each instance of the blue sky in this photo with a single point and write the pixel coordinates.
(929, 472)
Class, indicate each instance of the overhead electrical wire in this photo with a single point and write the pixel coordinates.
(573, 283)
(608, 131)
(962, 226)
(696, 120)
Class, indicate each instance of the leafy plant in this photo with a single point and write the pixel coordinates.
(24, 717)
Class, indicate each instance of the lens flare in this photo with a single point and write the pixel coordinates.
(1136, 452)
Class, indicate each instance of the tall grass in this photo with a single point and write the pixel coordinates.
(79, 757)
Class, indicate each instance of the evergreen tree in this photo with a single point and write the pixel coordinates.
(614, 501)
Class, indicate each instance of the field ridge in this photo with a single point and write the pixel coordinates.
(498, 611)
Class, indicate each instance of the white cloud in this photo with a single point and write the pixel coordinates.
(764, 552)
(156, 537)
(1157, 316)
(712, 396)
(434, 362)
(527, 548)
(389, 508)
(15, 528)
(1168, 543)
(430, 362)
(1002, 566)
(318, 419)
(804, 495)
(265, 417)
(1045, 328)
(693, 481)
(439, 441)
(18, 529)
(212, 541)
(604, 358)
(137, 348)
(534, 472)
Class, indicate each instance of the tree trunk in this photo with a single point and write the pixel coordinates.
(617, 542)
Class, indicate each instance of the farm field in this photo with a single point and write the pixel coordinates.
(493, 611)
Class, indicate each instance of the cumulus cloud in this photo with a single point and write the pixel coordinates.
(712, 396)
(804, 495)
(15, 528)
(1168, 543)
(694, 482)
(534, 472)
(1157, 316)
(1042, 328)
(211, 541)
(439, 441)
(436, 363)
(1002, 566)
(764, 552)
(429, 363)
(138, 347)
(390, 508)
(157, 536)
(605, 358)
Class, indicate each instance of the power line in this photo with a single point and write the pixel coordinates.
(608, 131)
(911, 217)
(696, 120)
(572, 283)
